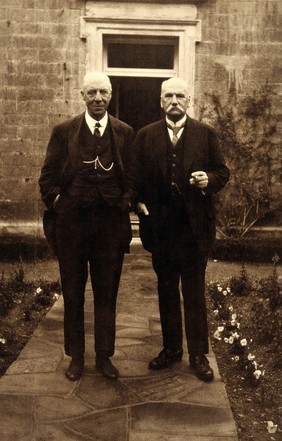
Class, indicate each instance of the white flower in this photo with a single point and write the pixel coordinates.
(224, 292)
(238, 325)
(235, 335)
(38, 291)
(236, 358)
(243, 342)
(257, 374)
(228, 290)
(219, 288)
(217, 335)
(216, 312)
(271, 427)
(226, 340)
(233, 322)
(2, 340)
(230, 308)
(251, 357)
(231, 340)
(56, 296)
(233, 316)
(220, 328)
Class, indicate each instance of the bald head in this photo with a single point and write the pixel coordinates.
(174, 82)
(97, 93)
(175, 98)
(96, 77)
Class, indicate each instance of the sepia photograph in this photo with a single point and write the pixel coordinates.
(140, 220)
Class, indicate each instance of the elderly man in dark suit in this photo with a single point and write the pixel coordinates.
(180, 169)
(87, 183)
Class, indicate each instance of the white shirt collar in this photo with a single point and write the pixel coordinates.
(181, 122)
(91, 122)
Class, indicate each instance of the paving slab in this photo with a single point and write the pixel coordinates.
(38, 403)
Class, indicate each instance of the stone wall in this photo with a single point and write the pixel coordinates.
(240, 54)
(43, 61)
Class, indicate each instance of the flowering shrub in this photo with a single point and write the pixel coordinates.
(220, 297)
(229, 332)
(246, 340)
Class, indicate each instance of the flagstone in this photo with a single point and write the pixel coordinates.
(135, 320)
(36, 383)
(105, 393)
(102, 426)
(50, 408)
(178, 418)
(16, 417)
(132, 332)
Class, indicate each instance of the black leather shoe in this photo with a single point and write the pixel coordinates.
(75, 370)
(165, 359)
(106, 368)
(202, 367)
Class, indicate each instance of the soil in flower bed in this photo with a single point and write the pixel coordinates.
(23, 304)
(256, 406)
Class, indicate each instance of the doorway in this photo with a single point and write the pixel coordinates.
(136, 100)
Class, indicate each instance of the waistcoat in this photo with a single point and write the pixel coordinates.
(175, 169)
(95, 180)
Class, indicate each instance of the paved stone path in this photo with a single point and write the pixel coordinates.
(37, 402)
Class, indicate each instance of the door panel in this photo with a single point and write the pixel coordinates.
(136, 101)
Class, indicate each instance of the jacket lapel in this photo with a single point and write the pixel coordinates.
(159, 142)
(190, 145)
(118, 138)
(73, 138)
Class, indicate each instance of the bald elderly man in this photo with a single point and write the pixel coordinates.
(88, 185)
(180, 169)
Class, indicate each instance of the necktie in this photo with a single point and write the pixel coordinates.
(97, 132)
(175, 130)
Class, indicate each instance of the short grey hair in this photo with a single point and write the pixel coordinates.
(174, 81)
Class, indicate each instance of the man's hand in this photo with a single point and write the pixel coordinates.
(142, 209)
(199, 179)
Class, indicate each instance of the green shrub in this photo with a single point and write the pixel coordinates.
(242, 285)
(247, 130)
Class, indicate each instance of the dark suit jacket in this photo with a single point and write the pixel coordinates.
(201, 153)
(62, 157)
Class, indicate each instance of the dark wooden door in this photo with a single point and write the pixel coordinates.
(135, 100)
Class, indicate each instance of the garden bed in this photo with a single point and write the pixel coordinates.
(22, 306)
(245, 316)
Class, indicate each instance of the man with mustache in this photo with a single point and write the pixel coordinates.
(180, 169)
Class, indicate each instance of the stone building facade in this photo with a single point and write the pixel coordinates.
(48, 45)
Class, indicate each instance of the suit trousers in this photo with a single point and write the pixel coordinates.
(88, 240)
(176, 259)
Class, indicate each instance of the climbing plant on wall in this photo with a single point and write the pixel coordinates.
(246, 128)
